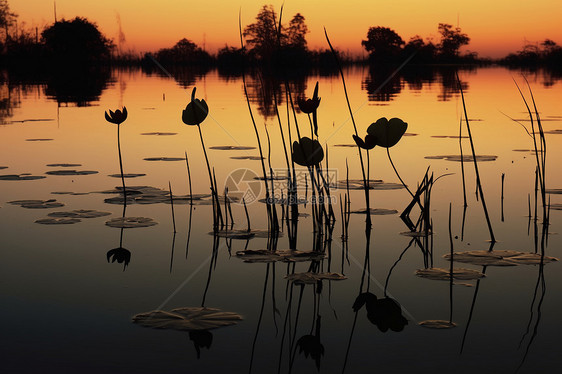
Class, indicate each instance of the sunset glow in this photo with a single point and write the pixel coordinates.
(495, 28)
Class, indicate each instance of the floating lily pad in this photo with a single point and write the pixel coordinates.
(64, 165)
(37, 204)
(416, 234)
(127, 175)
(38, 140)
(284, 201)
(33, 120)
(437, 324)
(345, 145)
(554, 191)
(71, 172)
(498, 258)
(556, 206)
(444, 274)
(243, 234)
(69, 193)
(3, 167)
(252, 158)
(448, 136)
(187, 319)
(554, 132)
(164, 159)
(273, 178)
(313, 278)
(465, 158)
(374, 184)
(131, 222)
(410, 134)
(376, 211)
(80, 213)
(232, 147)
(58, 221)
(264, 256)
(159, 133)
(20, 177)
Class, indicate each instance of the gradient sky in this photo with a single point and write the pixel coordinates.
(495, 27)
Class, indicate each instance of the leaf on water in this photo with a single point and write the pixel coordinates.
(38, 140)
(37, 204)
(376, 211)
(252, 158)
(554, 132)
(187, 319)
(465, 158)
(437, 324)
(64, 165)
(3, 167)
(345, 145)
(20, 177)
(444, 274)
(232, 147)
(80, 213)
(556, 206)
(410, 134)
(313, 278)
(69, 193)
(127, 175)
(284, 201)
(71, 172)
(264, 255)
(273, 178)
(164, 159)
(448, 136)
(374, 184)
(131, 222)
(58, 221)
(554, 191)
(498, 258)
(416, 234)
(159, 133)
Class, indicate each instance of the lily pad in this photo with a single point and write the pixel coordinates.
(64, 165)
(444, 274)
(243, 234)
(58, 221)
(554, 191)
(164, 159)
(3, 167)
(555, 132)
(465, 158)
(437, 324)
(499, 258)
(80, 213)
(251, 158)
(37, 204)
(556, 206)
(131, 222)
(159, 133)
(187, 319)
(127, 175)
(374, 184)
(20, 177)
(416, 234)
(71, 172)
(376, 211)
(448, 137)
(38, 140)
(313, 278)
(264, 256)
(231, 147)
(284, 201)
(345, 145)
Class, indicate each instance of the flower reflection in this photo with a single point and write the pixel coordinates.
(384, 313)
(201, 339)
(121, 255)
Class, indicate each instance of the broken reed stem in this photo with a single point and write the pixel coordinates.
(172, 204)
(189, 179)
(478, 181)
(503, 178)
(462, 163)
(367, 202)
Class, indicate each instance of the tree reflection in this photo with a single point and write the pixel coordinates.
(77, 86)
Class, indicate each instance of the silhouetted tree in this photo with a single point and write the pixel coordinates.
(424, 52)
(7, 18)
(451, 41)
(262, 36)
(383, 44)
(78, 39)
(183, 52)
(296, 32)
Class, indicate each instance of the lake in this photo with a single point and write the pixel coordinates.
(69, 291)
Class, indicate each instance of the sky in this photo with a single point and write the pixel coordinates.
(496, 28)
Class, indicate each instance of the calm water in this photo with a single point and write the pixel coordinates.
(66, 309)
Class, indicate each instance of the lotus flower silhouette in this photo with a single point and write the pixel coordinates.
(117, 117)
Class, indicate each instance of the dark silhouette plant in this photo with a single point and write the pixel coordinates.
(309, 106)
(118, 117)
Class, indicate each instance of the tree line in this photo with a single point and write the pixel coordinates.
(268, 42)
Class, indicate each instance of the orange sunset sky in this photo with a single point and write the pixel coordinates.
(495, 27)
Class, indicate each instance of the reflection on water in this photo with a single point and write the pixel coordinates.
(337, 298)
